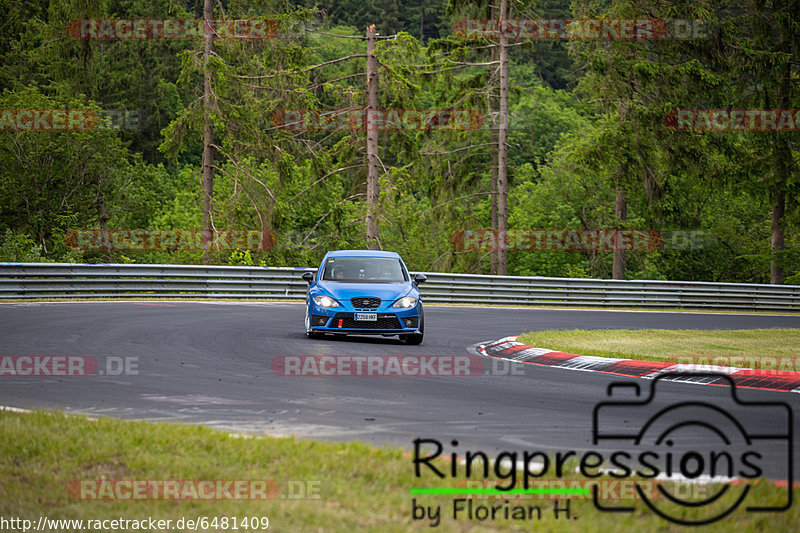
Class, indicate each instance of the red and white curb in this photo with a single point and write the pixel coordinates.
(510, 350)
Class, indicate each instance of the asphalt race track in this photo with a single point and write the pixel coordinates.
(209, 363)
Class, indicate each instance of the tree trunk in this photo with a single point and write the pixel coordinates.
(102, 212)
(208, 138)
(502, 147)
(783, 157)
(493, 198)
(372, 142)
(621, 212)
(777, 239)
(422, 21)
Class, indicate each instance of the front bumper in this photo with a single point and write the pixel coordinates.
(342, 320)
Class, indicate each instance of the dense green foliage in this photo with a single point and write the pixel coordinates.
(587, 120)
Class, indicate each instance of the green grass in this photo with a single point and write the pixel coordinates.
(765, 349)
(361, 488)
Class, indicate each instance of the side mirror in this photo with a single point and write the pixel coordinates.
(309, 277)
(420, 278)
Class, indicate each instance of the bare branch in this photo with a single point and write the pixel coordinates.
(313, 67)
(361, 37)
(465, 63)
(322, 178)
(328, 213)
(458, 149)
(236, 183)
(233, 161)
(335, 80)
(455, 200)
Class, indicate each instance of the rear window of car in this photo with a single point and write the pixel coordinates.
(364, 269)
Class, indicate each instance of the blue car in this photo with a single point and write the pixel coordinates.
(364, 292)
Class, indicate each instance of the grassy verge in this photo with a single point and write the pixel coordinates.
(355, 487)
(766, 349)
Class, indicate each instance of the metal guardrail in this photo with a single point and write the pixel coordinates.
(66, 280)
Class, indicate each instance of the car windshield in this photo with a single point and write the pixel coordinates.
(364, 269)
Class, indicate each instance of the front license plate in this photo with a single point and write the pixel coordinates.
(370, 317)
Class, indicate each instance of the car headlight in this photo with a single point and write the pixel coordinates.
(325, 301)
(406, 302)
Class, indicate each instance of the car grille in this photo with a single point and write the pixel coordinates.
(385, 321)
(365, 302)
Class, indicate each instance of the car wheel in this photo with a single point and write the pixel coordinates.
(309, 333)
(416, 338)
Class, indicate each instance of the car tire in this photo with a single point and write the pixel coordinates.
(309, 332)
(416, 338)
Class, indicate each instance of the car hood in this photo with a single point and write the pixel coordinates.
(384, 291)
